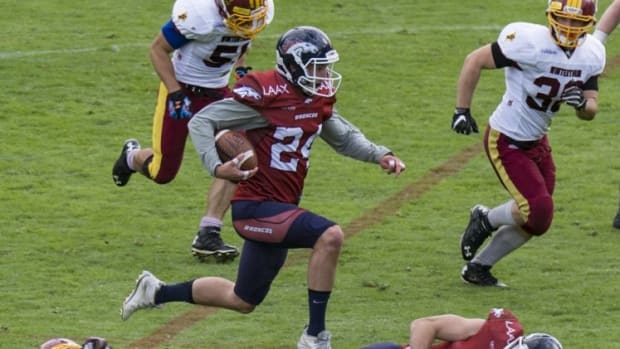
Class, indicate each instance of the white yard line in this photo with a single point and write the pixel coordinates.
(118, 47)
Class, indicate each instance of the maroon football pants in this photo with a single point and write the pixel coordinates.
(527, 171)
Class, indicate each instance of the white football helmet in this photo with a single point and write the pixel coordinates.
(535, 341)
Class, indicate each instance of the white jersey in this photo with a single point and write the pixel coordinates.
(533, 88)
(208, 58)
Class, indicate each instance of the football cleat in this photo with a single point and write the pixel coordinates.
(121, 171)
(142, 296)
(480, 275)
(478, 229)
(208, 243)
(321, 341)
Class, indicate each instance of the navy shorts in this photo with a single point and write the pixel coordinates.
(269, 230)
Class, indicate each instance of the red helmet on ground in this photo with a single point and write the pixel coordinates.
(570, 20)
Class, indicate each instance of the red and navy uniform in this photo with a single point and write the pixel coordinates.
(501, 328)
(264, 208)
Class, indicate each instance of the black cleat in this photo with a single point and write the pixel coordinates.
(209, 243)
(121, 171)
(617, 220)
(476, 232)
(480, 275)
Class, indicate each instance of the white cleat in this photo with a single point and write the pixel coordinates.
(143, 295)
(321, 341)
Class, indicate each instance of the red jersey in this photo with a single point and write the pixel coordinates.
(283, 147)
(501, 328)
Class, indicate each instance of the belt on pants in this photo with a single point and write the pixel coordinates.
(526, 145)
(204, 91)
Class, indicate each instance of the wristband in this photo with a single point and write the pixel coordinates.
(600, 35)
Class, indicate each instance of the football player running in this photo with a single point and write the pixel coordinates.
(501, 330)
(207, 40)
(283, 111)
(608, 23)
(545, 67)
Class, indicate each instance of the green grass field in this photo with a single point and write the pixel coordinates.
(77, 81)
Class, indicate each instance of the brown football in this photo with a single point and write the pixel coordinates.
(230, 144)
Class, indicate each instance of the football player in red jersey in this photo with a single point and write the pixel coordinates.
(607, 24)
(283, 111)
(546, 67)
(207, 40)
(500, 330)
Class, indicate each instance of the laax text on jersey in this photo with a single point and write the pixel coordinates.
(275, 90)
(574, 73)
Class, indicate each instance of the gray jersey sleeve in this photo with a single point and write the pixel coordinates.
(348, 140)
(220, 115)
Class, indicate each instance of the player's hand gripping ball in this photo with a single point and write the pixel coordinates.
(230, 144)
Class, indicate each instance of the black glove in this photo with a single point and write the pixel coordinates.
(178, 105)
(574, 97)
(95, 343)
(241, 71)
(463, 122)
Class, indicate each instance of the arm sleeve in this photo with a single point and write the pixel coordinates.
(591, 84)
(501, 61)
(223, 114)
(348, 140)
(173, 36)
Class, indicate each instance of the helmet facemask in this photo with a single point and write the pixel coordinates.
(569, 24)
(245, 22)
(319, 77)
(535, 341)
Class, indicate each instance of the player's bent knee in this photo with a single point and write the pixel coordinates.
(333, 237)
(541, 215)
(242, 306)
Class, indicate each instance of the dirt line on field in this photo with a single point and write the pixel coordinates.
(450, 167)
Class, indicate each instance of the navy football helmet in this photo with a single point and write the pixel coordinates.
(535, 341)
(305, 57)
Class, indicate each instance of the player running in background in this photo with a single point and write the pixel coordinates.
(207, 40)
(283, 112)
(545, 67)
(608, 23)
(500, 330)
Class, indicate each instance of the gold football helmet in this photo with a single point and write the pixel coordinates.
(245, 18)
(570, 20)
